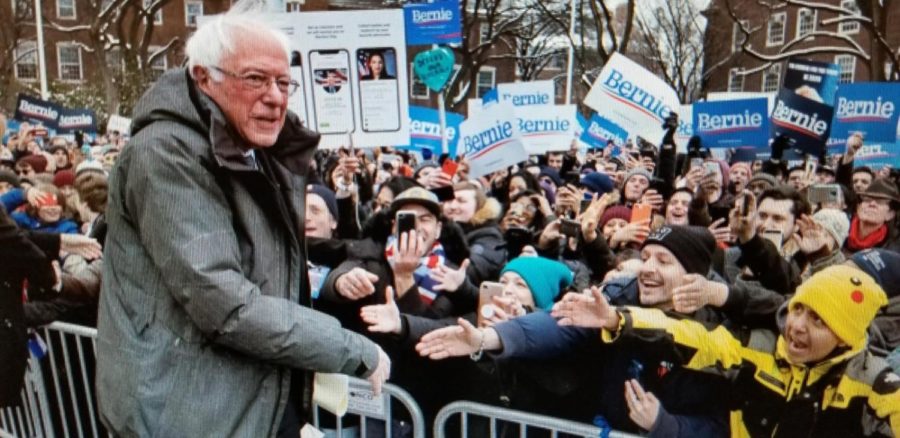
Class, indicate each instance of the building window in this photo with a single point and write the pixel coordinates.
(558, 61)
(806, 22)
(735, 80)
(849, 26)
(889, 72)
(25, 59)
(771, 79)
(485, 81)
(417, 89)
(776, 29)
(484, 32)
(22, 9)
(69, 57)
(737, 36)
(192, 10)
(293, 5)
(847, 64)
(157, 16)
(159, 65)
(65, 9)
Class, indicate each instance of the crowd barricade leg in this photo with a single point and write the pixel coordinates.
(495, 421)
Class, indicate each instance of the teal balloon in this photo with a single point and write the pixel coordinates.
(434, 67)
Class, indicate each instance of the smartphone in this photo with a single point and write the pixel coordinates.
(696, 162)
(450, 167)
(297, 101)
(444, 193)
(711, 167)
(379, 92)
(810, 167)
(745, 205)
(486, 292)
(332, 91)
(824, 194)
(775, 237)
(406, 221)
(641, 213)
(516, 238)
(569, 228)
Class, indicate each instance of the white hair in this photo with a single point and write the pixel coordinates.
(216, 37)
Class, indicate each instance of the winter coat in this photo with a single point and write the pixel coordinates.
(204, 323)
(851, 393)
(63, 226)
(25, 257)
(487, 247)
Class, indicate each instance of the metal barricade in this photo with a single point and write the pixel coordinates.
(525, 422)
(59, 400)
(370, 416)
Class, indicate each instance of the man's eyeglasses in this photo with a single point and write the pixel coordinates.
(256, 81)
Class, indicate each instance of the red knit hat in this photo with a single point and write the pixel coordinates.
(37, 162)
(64, 178)
(617, 212)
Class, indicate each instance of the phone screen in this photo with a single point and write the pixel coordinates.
(641, 213)
(406, 221)
(296, 101)
(332, 94)
(379, 93)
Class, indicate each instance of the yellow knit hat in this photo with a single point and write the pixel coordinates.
(845, 298)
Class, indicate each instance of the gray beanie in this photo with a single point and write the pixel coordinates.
(835, 222)
(637, 171)
(762, 176)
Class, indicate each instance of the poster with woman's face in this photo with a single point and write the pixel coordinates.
(379, 95)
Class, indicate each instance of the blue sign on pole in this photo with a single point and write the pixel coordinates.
(425, 129)
(433, 23)
(813, 80)
(870, 108)
(805, 122)
(600, 130)
(732, 123)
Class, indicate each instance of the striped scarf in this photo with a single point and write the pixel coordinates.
(424, 282)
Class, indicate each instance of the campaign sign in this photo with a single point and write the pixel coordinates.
(685, 128)
(546, 127)
(433, 23)
(119, 124)
(523, 93)
(813, 80)
(633, 98)
(599, 131)
(869, 108)
(731, 124)
(582, 124)
(425, 129)
(877, 156)
(491, 141)
(805, 121)
(34, 110)
(79, 119)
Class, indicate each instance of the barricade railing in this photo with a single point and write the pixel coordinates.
(58, 397)
(489, 420)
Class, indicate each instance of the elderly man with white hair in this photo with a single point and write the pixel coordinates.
(205, 326)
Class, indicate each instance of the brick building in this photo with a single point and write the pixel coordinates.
(778, 31)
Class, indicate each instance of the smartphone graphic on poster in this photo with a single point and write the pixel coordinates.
(297, 101)
(332, 91)
(379, 93)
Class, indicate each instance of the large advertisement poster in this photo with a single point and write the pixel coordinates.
(353, 75)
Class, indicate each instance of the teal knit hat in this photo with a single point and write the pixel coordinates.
(545, 277)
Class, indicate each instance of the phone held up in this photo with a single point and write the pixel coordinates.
(406, 222)
(486, 293)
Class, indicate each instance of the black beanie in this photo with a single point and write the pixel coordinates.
(692, 246)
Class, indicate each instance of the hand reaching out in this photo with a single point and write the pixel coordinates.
(454, 341)
(812, 236)
(383, 318)
(382, 372)
(722, 233)
(84, 246)
(589, 310)
(355, 284)
(449, 279)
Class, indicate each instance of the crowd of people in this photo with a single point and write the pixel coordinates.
(650, 290)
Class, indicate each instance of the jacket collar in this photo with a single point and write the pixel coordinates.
(817, 370)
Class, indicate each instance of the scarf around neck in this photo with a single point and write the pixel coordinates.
(856, 242)
(422, 274)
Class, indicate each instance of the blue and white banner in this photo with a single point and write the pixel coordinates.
(491, 141)
(805, 121)
(601, 130)
(582, 124)
(633, 98)
(425, 130)
(546, 127)
(869, 108)
(813, 80)
(877, 156)
(522, 93)
(79, 119)
(732, 124)
(685, 128)
(37, 111)
(433, 23)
